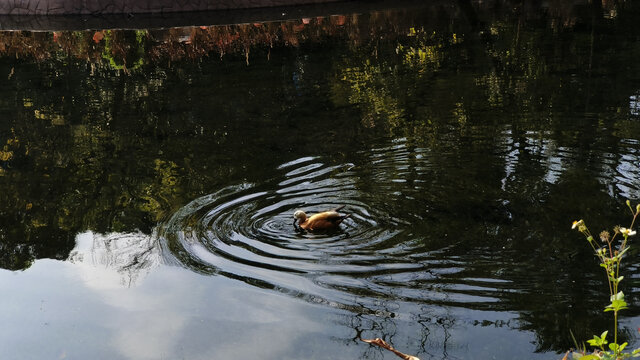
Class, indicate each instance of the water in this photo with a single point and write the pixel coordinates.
(150, 177)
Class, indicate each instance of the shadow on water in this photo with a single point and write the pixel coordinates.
(464, 139)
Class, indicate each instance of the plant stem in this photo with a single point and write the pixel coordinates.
(615, 330)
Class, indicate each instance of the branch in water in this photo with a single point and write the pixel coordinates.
(383, 344)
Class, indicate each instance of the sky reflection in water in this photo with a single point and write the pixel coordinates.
(174, 313)
(170, 313)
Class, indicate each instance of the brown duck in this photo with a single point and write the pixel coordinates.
(327, 220)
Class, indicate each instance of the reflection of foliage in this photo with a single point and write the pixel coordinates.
(368, 88)
(155, 197)
(76, 44)
(128, 50)
(380, 88)
(7, 151)
(35, 45)
(129, 255)
(423, 53)
(121, 52)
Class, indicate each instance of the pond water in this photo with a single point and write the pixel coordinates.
(150, 178)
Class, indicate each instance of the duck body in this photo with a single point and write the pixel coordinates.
(326, 220)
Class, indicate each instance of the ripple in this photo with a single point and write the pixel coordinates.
(246, 232)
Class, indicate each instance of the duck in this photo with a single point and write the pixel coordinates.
(324, 221)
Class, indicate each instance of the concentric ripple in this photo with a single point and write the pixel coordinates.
(246, 232)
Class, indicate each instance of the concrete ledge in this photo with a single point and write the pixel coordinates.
(197, 18)
(103, 7)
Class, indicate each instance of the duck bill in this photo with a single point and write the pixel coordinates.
(297, 227)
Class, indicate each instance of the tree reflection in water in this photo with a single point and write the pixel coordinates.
(115, 259)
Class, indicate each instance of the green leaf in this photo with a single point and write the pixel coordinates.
(624, 251)
(616, 305)
(589, 357)
(599, 341)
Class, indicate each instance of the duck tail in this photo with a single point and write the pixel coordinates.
(338, 208)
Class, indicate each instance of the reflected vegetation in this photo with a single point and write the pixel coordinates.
(124, 258)
(465, 137)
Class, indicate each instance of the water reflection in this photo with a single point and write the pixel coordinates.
(464, 148)
(123, 259)
(169, 314)
(382, 252)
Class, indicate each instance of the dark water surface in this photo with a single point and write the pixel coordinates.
(150, 177)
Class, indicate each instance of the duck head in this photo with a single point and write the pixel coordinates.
(299, 215)
(298, 218)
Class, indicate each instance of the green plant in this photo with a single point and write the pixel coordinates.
(610, 256)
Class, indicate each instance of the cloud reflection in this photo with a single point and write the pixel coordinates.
(147, 310)
(115, 259)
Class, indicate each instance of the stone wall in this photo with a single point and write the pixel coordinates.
(104, 7)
